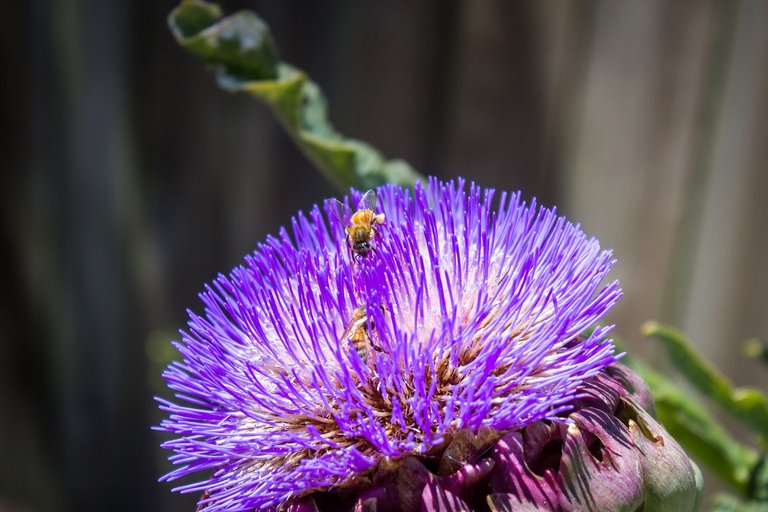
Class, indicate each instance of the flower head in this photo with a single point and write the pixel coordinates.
(473, 313)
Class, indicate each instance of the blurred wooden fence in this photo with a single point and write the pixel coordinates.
(130, 180)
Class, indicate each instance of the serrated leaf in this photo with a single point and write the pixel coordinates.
(241, 48)
(746, 404)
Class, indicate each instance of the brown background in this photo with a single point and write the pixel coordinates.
(130, 180)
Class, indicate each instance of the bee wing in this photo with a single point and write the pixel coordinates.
(358, 320)
(341, 211)
(368, 201)
(355, 325)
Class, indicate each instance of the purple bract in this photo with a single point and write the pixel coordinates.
(475, 312)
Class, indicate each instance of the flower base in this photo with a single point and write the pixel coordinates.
(608, 454)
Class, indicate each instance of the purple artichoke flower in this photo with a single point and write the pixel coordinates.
(447, 369)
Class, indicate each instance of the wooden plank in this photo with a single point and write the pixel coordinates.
(728, 296)
(497, 110)
(630, 155)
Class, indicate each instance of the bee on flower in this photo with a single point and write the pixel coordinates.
(357, 333)
(360, 226)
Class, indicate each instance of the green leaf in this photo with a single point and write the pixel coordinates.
(701, 436)
(245, 57)
(758, 480)
(241, 43)
(746, 404)
(193, 17)
(726, 503)
(756, 349)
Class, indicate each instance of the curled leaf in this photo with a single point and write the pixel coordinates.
(245, 57)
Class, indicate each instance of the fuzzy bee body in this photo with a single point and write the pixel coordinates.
(357, 333)
(360, 226)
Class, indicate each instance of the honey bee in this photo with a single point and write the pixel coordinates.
(360, 225)
(357, 332)
(358, 335)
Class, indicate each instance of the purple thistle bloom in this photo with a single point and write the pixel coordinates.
(475, 316)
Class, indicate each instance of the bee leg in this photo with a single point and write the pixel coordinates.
(352, 254)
